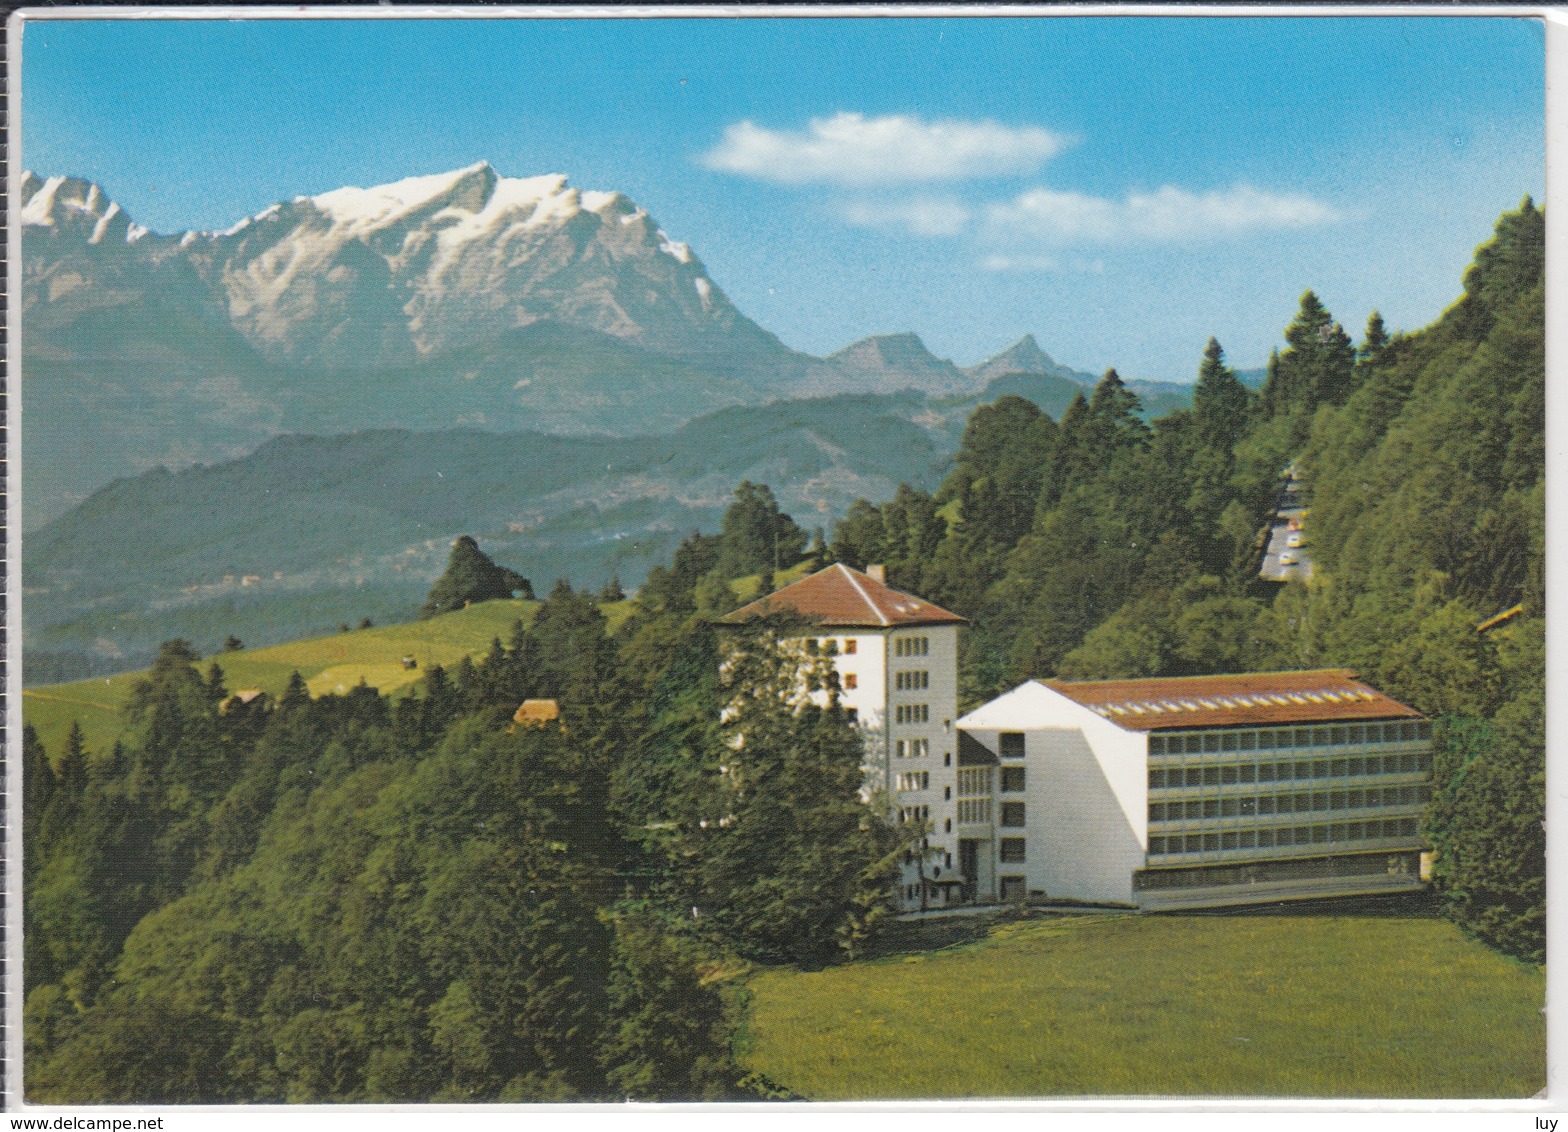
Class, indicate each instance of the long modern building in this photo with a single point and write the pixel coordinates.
(1192, 792)
(896, 656)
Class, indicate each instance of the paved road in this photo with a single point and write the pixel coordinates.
(1290, 510)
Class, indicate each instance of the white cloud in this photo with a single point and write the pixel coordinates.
(1166, 215)
(1035, 264)
(851, 149)
(921, 216)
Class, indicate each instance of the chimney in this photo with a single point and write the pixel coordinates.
(877, 573)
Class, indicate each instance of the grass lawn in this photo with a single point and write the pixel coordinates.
(1268, 1006)
(328, 664)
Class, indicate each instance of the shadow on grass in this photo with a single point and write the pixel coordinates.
(1405, 905)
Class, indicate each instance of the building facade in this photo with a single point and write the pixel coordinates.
(896, 657)
(1192, 792)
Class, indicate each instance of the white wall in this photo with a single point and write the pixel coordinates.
(869, 667)
(1086, 794)
(874, 698)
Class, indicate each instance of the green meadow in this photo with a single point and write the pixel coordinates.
(328, 664)
(333, 663)
(1128, 1005)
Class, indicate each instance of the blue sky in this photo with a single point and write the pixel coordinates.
(1121, 188)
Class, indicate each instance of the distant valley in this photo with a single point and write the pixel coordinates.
(372, 371)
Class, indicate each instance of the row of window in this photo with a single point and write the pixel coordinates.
(1296, 770)
(1328, 834)
(1301, 803)
(972, 811)
(914, 813)
(915, 780)
(974, 781)
(911, 748)
(911, 646)
(911, 680)
(912, 713)
(1277, 738)
(831, 646)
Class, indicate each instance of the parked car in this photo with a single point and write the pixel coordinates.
(1287, 559)
(1293, 539)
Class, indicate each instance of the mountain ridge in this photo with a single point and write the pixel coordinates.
(459, 298)
(337, 527)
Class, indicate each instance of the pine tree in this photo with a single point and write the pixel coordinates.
(859, 538)
(778, 850)
(1373, 346)
(755, 535)
(1113, 412)
(1068, 462)
(1220, 402)
(471, 576)
(295, 693)
(216, 692)
(1318, 365)
(668, 1039)
(38, 785)
(821, 559)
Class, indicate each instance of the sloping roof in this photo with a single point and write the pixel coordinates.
(846, 598)
(972, 752)
(537, 712)
(1229, 701)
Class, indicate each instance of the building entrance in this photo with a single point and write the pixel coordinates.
(969, 866)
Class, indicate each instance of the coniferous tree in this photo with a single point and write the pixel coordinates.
(668, 1039)
(471, 577)
(1069, 460)
(858, 539)
(1375, 343)
(38, 785)
(1220, 401)
(818, 552)
(755, 536)
(777, 850)
(1318, 364)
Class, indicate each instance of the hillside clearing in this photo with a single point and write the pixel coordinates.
(328, 664)
(1269, 1006)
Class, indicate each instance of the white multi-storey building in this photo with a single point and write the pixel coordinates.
(1193, 792)
(896, 656)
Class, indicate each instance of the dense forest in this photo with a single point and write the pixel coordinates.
(354, 898)
(1099, 547)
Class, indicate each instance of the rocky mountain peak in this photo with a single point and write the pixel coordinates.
(360, 279)
(72, 208)
(1023, 356)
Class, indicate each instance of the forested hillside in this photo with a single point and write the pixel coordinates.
(345, 898)
(350, 898)
(1099, 546)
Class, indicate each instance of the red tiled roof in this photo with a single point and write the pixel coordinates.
(844, 597)
(1230, 701)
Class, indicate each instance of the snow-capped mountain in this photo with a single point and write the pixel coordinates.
(459, 299)
(358, 279)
